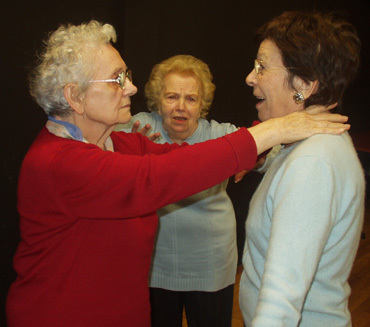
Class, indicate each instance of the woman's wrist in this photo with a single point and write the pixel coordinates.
(266, 135)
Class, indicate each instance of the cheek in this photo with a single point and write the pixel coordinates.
(93, 103)
(196, 112)
(162, 111)
(108, 100)
(283, 103)
(165, 109)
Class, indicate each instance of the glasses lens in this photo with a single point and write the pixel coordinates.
(257, 66)
(129, 74)
(122, 78)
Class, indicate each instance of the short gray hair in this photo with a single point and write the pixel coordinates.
(67, 58)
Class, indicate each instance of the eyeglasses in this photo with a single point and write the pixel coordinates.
(258, 67)
(120, 80)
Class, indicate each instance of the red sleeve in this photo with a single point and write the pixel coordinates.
(136, 143)
(93, 183)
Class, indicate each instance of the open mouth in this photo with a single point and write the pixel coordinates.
(260, 100)
(180, 118)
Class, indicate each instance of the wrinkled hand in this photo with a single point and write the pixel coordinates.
(317, 109)
(313, 120)
(239, 176)
(145, 130)
(298, 126)
(260, 162)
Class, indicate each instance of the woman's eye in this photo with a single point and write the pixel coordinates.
(171, 97)
(192, 99)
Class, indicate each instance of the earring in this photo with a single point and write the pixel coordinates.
(298, 98)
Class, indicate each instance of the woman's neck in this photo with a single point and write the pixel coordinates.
(178, 141)
(94, 133)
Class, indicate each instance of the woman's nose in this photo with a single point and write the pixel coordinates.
(181, 103)
(130, 89)
(251, 78)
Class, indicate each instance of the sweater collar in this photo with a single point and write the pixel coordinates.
(67, 130)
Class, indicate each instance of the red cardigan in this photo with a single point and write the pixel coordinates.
(88, 221)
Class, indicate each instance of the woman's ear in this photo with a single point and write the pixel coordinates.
(306, 89)
(73, 98)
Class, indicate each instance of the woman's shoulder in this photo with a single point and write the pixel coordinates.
(323, 144)
(213, 129)
(333, 150)
(144, 118)
(147, 116)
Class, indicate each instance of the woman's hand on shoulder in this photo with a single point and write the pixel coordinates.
(298, 126)
(314, 120)
(144, 131)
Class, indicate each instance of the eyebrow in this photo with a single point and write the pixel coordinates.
(119, 70)
(262, 56)
(174, 92)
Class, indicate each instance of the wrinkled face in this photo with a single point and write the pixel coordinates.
(270, 85)
(180, 104)
(106, 103)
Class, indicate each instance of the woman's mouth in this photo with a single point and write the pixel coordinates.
(179, 119)
(260, 100)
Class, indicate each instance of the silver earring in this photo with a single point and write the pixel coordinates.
(298, 98)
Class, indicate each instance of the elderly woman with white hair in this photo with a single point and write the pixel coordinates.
(87, 196)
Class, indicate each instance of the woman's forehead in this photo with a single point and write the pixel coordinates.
(107, 58)
(268, 50)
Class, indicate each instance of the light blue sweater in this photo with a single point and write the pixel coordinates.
(195, 248)
(302, 234)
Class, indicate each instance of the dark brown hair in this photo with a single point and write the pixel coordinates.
(316, 46)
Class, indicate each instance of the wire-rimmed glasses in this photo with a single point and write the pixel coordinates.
(120, 80)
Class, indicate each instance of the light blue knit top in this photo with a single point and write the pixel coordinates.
(195, 248)
(302, 234)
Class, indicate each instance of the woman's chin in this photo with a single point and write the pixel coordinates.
(124, 119)
(263, 117)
